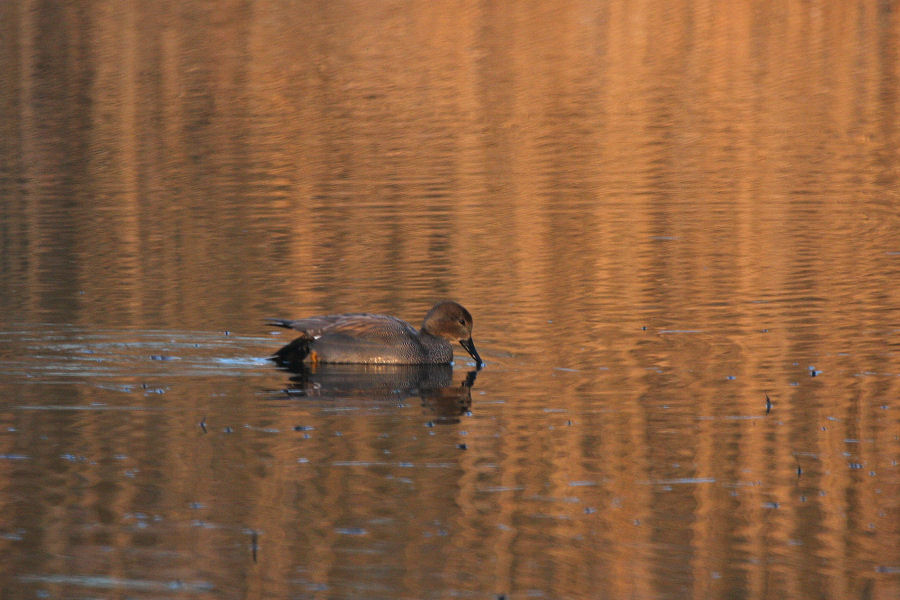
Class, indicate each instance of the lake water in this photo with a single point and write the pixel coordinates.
(677, 227)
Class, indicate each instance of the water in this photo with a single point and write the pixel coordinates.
(660, 216)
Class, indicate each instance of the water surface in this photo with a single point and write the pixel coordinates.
(677, 227)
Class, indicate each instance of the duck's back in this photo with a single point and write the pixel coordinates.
(365, 338)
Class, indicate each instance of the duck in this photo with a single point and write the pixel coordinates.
(365, 338)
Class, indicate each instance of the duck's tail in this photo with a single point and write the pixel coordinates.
(292, 355)
(279, 323)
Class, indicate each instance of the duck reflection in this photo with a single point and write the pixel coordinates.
(432, 384)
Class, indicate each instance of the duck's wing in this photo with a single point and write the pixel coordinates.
(361, 326)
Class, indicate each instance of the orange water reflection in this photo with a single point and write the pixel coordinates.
(658, 213)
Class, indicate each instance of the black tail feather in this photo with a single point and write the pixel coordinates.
(279, 323)
(291, 355)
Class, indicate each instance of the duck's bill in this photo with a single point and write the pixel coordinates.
(469, 345)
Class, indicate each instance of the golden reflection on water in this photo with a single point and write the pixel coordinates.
(658, 213)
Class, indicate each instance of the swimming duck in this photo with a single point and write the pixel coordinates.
(364, 338)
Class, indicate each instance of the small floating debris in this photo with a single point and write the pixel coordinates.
(462, 446)
(163, 357)
(768, 404)
(303, 428)
(203, 424)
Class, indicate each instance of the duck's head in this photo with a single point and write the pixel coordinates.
(451, 321)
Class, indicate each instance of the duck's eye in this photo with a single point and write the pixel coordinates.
(462, 322)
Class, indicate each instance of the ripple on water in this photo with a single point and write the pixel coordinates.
(107, 582)
(48, 355)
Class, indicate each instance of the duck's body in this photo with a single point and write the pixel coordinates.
(364, 338)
